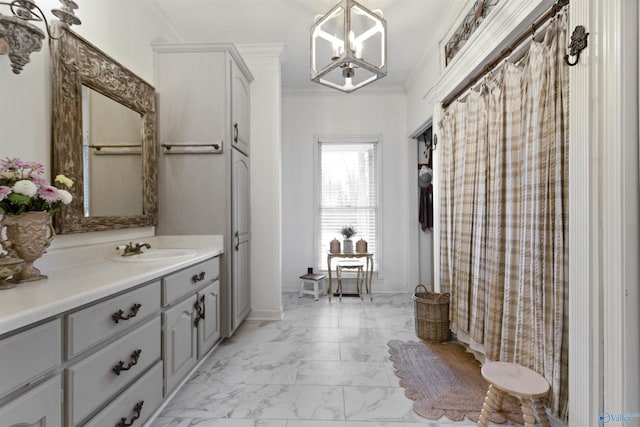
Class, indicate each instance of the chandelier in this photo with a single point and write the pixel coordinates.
(348, 47)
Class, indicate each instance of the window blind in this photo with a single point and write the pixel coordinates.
(348, 194)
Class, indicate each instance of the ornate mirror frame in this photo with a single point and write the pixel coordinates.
(75, 63)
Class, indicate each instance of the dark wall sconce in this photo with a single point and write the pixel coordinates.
(19, 37)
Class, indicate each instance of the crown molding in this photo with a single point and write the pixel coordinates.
(267, 50)
(164, 23)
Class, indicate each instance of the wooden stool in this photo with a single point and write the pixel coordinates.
(509, 378)
(316, 281)
(352, 266)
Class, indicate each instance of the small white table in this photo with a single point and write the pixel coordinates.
(368, 271)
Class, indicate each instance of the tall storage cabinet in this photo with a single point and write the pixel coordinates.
(203, 166)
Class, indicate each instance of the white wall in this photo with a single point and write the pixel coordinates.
(334, 114)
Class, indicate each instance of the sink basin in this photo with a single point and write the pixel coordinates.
(153, 255)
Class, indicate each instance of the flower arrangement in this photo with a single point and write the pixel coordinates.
(348, 231)
(24, 189)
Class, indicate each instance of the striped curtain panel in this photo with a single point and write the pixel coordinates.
(504, 213)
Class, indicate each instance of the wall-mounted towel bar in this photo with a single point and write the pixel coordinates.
(121, 149)
(192, 148)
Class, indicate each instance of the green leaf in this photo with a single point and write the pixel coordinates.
(19, 199)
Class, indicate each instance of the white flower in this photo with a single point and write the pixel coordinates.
(26, 187)
(65, 196)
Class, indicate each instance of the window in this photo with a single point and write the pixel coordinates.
(347, 194)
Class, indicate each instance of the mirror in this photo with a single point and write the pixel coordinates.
(111, 162)
(104, 138)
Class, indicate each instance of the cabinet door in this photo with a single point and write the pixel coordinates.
(179, 344)
(209, 324)
(40, 407)
(239, 109)
(240, 280)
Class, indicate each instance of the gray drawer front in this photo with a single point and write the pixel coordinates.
(37, 407)
(95, 323)
(147, 389)
(93, 381)
(28, 355)
(185, 282)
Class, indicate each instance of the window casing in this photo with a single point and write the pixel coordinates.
(347, 193)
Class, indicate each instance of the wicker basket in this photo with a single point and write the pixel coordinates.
(432, 315)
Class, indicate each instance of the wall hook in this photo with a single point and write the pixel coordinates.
(577, 45)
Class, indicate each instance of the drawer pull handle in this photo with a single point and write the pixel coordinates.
(198, 277)
(136, 414)
(201, 311)
(134, 360)
(119, 315)
(235, 131)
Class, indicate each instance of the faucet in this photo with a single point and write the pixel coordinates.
(132, 249)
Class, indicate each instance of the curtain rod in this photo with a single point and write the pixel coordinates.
(553, 11)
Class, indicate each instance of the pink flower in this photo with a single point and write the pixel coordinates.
(49, 194)
(40, 182)
(4, 192)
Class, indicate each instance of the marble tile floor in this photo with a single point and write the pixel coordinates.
(324, 365)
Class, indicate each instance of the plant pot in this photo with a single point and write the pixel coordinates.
(347, 246)
(28, 235)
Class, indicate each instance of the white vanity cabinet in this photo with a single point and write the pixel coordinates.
(26, 358)
(204, 100)
(40, 406)
(111, 345)
(191, 325)
(113, 359)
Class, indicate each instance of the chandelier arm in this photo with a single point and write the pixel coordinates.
(32, 15)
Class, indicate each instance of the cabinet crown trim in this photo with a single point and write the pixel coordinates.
(166, 47)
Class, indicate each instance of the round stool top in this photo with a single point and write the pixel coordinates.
(515, 379)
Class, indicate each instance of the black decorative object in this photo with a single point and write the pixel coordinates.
(119, 315)
(577, 45)
(200, 311)
(136, 414)
(198, 277)
(476, 15)
(134, 360)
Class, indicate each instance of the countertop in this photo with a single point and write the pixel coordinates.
(78, 276)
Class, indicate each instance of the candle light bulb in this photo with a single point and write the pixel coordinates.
(358, 50)
(336, 48)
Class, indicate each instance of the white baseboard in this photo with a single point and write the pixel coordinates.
(265, 315)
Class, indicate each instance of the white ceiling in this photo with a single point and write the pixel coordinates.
(411, 25)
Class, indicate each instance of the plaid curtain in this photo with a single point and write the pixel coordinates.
(504, 213)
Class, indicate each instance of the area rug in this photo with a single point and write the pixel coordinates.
(445, 380)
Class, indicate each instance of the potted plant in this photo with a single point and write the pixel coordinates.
(27, 202)
(347, 244)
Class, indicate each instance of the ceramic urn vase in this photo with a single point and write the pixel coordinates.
(9, 266)
(28, 235)
(334, 246)
(361, 246)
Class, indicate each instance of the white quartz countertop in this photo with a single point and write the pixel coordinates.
(70, 285)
